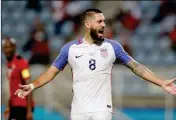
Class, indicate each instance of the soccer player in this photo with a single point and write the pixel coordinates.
(18, 73)
(91, 59)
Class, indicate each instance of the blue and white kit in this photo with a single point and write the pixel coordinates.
(91, 66)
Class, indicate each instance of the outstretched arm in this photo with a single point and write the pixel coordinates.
(141, 70)
(46, 77)
(144, 72)
(40, 81)
(148, 75)
(59, 64)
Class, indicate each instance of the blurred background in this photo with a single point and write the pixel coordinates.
(146, 30)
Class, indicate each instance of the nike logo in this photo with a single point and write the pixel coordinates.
(78, 56)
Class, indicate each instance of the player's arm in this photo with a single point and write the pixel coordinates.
(39, 82)
(136, 67)
(46, 77)
(144, 72)
(58, 65)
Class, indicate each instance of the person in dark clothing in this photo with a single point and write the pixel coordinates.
(166, 8)
(39, 46)
(17, 73)
(34, 5)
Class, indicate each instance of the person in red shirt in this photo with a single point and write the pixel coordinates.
(17, 73)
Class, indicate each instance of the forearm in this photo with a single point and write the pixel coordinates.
(145, 73)
(8, 104)
(43, 79)
(29, 103)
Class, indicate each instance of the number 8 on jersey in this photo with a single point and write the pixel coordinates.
(92, 64)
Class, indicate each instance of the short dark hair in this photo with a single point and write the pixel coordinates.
(89, 12)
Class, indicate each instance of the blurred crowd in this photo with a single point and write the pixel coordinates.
(123, 21)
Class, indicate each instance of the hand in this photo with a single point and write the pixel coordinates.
(29, 116)
(23, 91)
(6, 113)
(169, 86)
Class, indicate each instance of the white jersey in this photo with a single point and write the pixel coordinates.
(91, 66)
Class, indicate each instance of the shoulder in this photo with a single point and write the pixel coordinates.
(21, 59)
(65, 49)
(114, 43)
(18, 57)
(69, 44)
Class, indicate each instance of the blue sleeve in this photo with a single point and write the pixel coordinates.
(62, 59)
(120, 53)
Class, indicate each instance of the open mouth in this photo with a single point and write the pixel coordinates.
(101, 31)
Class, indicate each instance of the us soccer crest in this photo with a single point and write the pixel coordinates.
(104, 52)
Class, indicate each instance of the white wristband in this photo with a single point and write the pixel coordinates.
(32, 86)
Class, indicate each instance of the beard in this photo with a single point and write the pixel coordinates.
(94, 35)
(10, 56)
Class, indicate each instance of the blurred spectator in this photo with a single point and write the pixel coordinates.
(34, 5)
(168, 23)
(109, 32)
(68, 13)
(168, 28)
(130, 18)
(110, 9)
(74, 10)
(38, 44)
(124, 39)
(59, 15)
(166, 8)
(172, 35)
(130, 15)
(37, 24)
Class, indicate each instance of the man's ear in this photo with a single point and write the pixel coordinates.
(87, 24)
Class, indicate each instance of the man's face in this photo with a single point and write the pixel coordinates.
(97, 26)
(8, 49)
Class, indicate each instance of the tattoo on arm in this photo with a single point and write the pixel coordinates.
(137, 68)
(144, 72)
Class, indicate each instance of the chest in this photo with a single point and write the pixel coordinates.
(91, 58)
(13, 71)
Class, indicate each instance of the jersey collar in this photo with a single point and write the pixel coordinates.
(14, 57)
